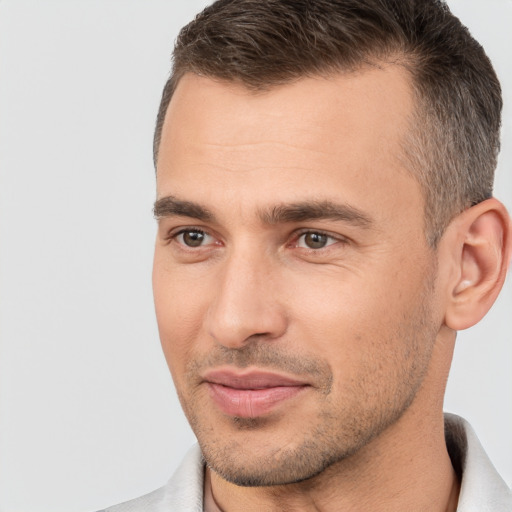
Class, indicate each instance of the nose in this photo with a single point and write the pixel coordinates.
(246, 303)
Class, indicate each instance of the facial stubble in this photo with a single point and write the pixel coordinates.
(339, 430)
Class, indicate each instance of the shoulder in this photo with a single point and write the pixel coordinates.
(482, 488)
(183, 492)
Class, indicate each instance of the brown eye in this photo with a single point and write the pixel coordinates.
(191, 238)
(314, 240)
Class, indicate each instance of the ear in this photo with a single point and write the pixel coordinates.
(480, 241)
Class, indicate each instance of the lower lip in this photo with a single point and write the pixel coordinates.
(251, 403)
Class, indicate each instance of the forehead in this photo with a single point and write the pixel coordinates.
(339, 135)
(370, 98)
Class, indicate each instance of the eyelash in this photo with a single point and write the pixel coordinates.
(173, 236)
(332, 238)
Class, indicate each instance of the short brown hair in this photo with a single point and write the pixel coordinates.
(453, 143)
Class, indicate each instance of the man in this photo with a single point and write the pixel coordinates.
(325, 227)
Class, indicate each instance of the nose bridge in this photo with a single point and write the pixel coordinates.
(245, 303)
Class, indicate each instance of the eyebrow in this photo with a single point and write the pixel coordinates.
(171, 206)
(316, 210)
(280, 214)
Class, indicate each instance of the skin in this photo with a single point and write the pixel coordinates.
(361, 321)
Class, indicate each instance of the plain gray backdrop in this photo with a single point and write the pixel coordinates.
(88, 413)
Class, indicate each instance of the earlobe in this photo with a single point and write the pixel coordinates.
(481, 252)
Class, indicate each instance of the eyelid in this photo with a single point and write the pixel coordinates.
(335, 237)
(173, 234)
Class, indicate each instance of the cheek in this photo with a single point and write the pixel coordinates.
(341, 305)
(355, 323)
(180, 305)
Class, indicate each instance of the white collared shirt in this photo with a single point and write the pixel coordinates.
(482, 488)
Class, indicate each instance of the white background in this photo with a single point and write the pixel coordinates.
(88, 414)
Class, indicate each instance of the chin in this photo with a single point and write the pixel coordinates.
(254, 464)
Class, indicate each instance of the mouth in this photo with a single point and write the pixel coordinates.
(251, 394)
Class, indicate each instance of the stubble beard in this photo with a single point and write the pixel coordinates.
(339, 430)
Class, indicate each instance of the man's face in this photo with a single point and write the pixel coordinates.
(292, 281)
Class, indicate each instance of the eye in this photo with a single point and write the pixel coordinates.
(193, 238)
(314, 240)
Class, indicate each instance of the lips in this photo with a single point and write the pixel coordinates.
(251, 394)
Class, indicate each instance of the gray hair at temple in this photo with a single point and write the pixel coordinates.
(453, 140)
